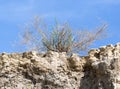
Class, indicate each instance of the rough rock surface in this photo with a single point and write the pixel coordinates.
(52, 70)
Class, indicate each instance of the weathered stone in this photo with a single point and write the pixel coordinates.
(53, 70)
(76, 63)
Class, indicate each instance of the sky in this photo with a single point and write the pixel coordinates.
(80, 14)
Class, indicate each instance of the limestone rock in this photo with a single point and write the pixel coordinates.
(53, 70)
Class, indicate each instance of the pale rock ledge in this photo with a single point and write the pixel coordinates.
(53, 70)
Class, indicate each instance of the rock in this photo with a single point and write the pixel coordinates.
(76, 63)
(103, 73)
(29, 70)
(53, 70)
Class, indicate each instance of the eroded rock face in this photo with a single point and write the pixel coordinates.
(102, 69)
(31, 70)
(52, 70)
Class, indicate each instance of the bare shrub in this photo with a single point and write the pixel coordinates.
(62, 38)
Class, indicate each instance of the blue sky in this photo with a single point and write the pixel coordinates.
(81, 14)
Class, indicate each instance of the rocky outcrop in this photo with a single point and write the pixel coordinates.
(102, 70)
(52, 70)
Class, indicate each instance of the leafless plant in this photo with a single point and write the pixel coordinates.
(62, 38)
